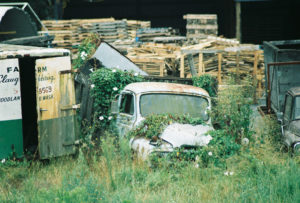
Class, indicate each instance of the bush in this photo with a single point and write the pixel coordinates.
(232, 113)
(221, 147)
(86, 49)
(154, 125)
(106, 84)
(207, 82)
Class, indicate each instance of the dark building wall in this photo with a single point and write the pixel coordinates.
(274, 20)
(162, 13)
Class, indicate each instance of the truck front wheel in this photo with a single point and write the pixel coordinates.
(296, 148)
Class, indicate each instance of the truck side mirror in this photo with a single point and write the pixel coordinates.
(115, 106)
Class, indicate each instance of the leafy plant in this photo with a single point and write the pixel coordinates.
(207, 82)
(154, 124)
(232, 113)
(86, 49)
(220, 148)
(106, 84)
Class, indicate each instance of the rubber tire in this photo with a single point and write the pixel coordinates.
(296, 149)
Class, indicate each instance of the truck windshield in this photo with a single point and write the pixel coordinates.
(164, 103)
(297, 108)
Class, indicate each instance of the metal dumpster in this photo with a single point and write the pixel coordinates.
(282, 77)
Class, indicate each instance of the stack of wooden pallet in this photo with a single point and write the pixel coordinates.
(199, 25)
(63, 31)
(70, 33)
(234, 60)
(148, 34)
(134, 25)
(216, 56)
(155, 59)
(81, 30)
(108, 31)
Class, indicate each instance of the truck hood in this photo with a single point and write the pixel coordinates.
(179, 135)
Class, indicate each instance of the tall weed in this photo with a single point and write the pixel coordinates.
(232, 113)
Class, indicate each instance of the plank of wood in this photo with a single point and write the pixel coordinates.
(191, 64)
(200, 16)
(219, 68)
(200, 67)
(182, 66)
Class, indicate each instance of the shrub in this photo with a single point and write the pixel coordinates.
(86, 49)
(220, 148)
(232, 113)
(207, 82)
(154, 125)
(106, 84)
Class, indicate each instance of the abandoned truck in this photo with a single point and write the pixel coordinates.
(139, 100)
(37, 100)
(291, 120)
(282, 59)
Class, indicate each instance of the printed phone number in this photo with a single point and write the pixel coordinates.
(45, 90)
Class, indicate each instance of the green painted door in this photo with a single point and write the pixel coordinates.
(11, 137)
(56, 116)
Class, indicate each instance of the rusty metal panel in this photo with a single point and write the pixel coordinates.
(56, 97)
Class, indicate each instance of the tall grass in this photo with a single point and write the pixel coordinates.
(259, 173)
(116, 177)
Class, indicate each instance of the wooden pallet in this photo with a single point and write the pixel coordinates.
(199, 25)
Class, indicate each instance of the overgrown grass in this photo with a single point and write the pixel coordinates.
(260, 174)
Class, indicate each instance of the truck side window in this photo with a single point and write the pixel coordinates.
(288, 108)
(127, 104)
(297, 108)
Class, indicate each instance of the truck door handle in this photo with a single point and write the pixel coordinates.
(41, 110)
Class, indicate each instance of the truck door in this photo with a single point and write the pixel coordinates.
(55, 99)
(127, 113)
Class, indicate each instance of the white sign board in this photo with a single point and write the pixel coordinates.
(10, 93)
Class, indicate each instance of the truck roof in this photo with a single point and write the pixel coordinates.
(295, 91)
(143, 87)
(18, 51)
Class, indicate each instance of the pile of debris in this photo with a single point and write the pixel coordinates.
(171, 59)
(162, 52)
(216, 56)
(155, 59)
